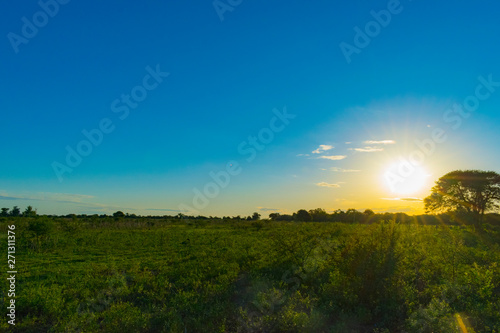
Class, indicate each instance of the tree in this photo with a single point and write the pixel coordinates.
(369, 216)
(274, 216)
(318, 215)
(303, 215)
(339, 216)
(473, 191)
(255, 216)
(29, 212)
(15, 211)
(352, 215)
(369, 212)
(119, 214)
(5, 212)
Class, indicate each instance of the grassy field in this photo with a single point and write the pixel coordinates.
(140, 275)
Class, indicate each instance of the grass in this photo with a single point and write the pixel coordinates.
(141, 275)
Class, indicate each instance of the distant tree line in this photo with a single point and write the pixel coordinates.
(320, 215)
(464, 197)
(458, 216)
(16, 211)
(369, 216)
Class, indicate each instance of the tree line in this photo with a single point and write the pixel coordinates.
(16, 211)
(461, 195)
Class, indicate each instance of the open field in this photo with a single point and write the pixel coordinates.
(145, 275)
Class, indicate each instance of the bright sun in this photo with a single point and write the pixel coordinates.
(404, 178)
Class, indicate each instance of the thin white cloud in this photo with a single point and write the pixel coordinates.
(334, 169)
(382, 142)
(48, 196)
(65, 197)
(333, 157)
(302, 155)
(368, 149)
(266, 209)
(322, 148)
(324, 184)
(348, 142)
(163, 210)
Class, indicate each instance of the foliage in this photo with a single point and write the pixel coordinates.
(303, 215)
(474, 191)
(29, 212)
(15, 211)
(119, 214)
(97, 274)
(5, 212)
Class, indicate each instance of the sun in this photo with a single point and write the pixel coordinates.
(404, 178)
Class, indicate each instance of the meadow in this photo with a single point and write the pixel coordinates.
(180, 275)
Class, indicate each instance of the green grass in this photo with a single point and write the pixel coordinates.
(212, 276)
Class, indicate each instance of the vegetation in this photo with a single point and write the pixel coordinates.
(472, 191)
(371, 273)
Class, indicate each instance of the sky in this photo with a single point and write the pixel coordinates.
(230, 107)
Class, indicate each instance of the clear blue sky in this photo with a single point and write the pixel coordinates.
(225, 79)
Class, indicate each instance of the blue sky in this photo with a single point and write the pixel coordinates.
(225, 79)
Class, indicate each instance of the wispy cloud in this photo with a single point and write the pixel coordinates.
(66, 197)
(78, 200)
(368, 149)
(333, 157)
(266, 209)
(163, 209)
(382, 142)
(322, 148)
(48, 196)
(334, 169)
(302, 155)
(5, 197)
(324, 184)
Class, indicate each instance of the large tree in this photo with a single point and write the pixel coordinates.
(474, 191)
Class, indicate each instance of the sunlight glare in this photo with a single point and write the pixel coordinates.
(405, 179)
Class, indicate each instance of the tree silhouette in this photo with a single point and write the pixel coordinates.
(274, 216)
(303, 215)
(352, 215)
(473, 191)
(369, 212)
(5, 212)
(15, 211)
(318, 215)
(29, 212)
(255, 216)
(119, 214)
